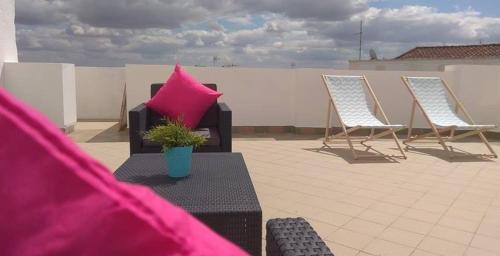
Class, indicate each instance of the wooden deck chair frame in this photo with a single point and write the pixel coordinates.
(345, 133)
(437, 132)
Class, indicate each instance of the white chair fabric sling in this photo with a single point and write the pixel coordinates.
(349, 102)
(430, 94)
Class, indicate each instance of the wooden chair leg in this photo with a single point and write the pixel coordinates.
(348, 138)
(410, 126)
(397, 143)
(328, 118)
(487, 143)
(441, 141)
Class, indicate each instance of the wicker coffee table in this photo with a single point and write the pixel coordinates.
(218, 192)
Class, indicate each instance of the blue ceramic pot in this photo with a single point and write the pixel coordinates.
(179, 161)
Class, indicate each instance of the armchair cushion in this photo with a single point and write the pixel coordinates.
(183, 97)
(210, 118)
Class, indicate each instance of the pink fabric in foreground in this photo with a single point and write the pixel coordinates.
(56, 200)
(183, 97)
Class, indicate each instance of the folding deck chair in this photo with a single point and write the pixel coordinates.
(349, 102)
(430, 94)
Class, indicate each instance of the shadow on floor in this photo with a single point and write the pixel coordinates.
(112, 134)
(275, 136)
(459, 155)
(372, 156)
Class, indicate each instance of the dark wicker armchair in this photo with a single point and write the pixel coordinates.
(218, 119)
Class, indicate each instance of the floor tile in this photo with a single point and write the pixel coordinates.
(377, 217)
(471, 251)
(415, 226)
(450, 234)
(442, 247)
(350, 238)
(388, 208)
(489, 229)
(364, 227)
(422, 253)
(323, 229)
(339, 249)
(386, 248)
(460, 224)
(422, 215)
(424, 201)
(332, 218)
(402, 237)
(486, 243)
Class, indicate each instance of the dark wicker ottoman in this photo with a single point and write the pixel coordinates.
(219, 192)
(293, 237)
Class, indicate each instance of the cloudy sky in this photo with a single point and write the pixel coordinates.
(253, 33)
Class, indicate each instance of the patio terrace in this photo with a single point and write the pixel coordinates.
(425, 205)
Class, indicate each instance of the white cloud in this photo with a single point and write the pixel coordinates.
(310, 9)
(275, 32)
(241, 20)
(394, 30)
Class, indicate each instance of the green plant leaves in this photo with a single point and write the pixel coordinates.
(174, 134)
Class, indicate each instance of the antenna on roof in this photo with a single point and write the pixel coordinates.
(215, 59)
(373, 55)
(360, 38)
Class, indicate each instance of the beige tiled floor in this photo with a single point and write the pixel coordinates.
(426, 205)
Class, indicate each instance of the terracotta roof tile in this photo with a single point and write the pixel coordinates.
(452, 52)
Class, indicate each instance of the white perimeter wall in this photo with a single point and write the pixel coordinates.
(479, 91)
(278, 97)
(99, 92)
(417, 65)
(8, 48)
(258, 97)
(48, 87)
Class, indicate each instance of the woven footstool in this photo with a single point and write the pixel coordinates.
(293, 237)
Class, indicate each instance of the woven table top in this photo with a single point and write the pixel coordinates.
(218, 182)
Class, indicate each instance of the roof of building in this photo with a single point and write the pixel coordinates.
(452, 52)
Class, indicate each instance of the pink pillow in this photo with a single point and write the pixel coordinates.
(56, 200)
(183, 97)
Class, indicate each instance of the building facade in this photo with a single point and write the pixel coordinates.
(434, 58)
(8, 48)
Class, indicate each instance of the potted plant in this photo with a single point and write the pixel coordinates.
(178, 142)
